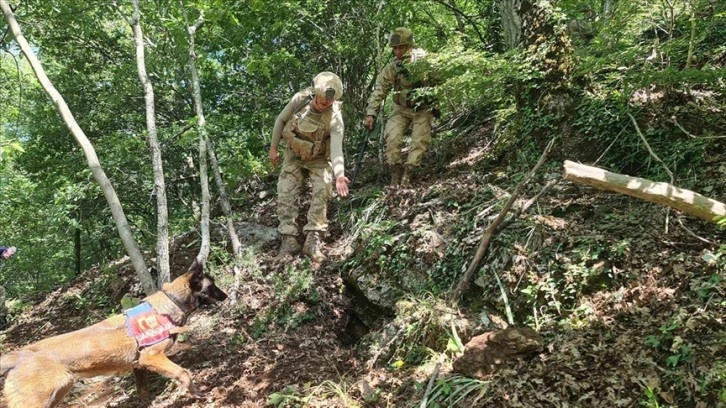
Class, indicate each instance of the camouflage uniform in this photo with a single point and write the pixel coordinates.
(405, 113)
(314, 147)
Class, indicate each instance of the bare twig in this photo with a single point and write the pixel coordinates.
(647, 146)
(489, 233)
(657, 159)
(537, 196)
(611, 145)
(678, 125)
(432, 380)
(693, 234)
(469, 19)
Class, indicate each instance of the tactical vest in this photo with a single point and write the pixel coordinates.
(307, 133)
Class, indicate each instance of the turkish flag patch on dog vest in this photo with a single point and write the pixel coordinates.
(147, 326)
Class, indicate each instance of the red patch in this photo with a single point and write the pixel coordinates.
(147, 326)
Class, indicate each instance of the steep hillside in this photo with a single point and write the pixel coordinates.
(629, 299)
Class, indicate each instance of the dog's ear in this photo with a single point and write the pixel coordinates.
(196, 267)
(197, 273)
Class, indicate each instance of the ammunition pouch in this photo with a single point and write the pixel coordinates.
(304, 148)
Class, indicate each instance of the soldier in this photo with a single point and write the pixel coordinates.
(5, 254)
(311, 126)
(406, 110)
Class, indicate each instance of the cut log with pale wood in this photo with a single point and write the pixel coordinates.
(656, 192)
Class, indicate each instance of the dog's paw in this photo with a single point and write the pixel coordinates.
(195, 392)
(144, 395)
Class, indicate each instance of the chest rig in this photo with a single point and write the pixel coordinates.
(307, 133)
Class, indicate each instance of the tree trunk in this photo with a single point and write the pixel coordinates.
(223, 196)
(606, 8)
(511, 22)
(201, 126)
(137, 260)
(162, 214)
(655, 192)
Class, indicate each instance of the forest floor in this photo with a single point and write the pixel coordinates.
(649, 333)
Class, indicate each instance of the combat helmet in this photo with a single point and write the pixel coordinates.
(328, 84)
(401, 36)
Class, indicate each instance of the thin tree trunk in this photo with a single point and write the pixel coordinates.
(162, 211)
(511, 23)
(692, 41)
(224, 198)
(137, 260)
(201, 126)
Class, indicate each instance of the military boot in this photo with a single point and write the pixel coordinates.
(396, 175)
(407, 174)
(312, 247)
(289, 247)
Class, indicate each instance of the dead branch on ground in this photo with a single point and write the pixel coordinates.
(492, 229)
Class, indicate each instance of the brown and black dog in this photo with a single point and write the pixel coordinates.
(40, 374)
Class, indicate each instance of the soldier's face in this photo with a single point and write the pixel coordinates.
(322, 103)
(400, 50)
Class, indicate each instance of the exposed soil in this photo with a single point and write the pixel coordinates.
(240, 354)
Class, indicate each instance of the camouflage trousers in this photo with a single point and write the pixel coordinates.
(397, 125)
(289, 184)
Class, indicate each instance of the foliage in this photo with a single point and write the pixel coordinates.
(330, 391)
(457, 391)
(294, 294)
(422, 325)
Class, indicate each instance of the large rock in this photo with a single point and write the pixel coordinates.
(394, 263)
(489, 351)
(384, 288)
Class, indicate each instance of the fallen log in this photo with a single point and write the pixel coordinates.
(656, 192)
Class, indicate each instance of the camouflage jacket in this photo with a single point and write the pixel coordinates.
(332, 127)
(394, 76)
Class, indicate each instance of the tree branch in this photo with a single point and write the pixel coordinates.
(692, 136)
(647, 146)
(458, 12)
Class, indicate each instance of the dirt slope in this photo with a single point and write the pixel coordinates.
(650, 308)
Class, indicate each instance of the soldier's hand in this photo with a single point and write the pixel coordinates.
(341, 184)
(370, 120)
(274, 155)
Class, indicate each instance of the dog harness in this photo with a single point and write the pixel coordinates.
(147, 326)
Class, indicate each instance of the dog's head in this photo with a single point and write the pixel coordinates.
(204, 290)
